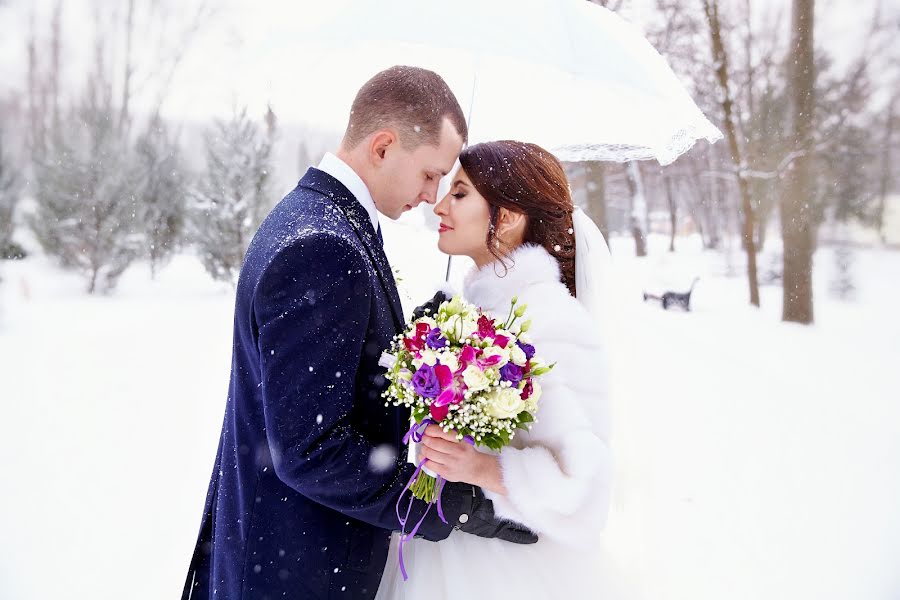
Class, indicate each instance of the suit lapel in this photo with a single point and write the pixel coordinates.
(359, 219)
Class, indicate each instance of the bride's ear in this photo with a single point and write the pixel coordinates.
(511, 226)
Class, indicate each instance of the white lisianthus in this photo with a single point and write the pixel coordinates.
(504, 403)
(517, 355)
(459, 327)
(470, 325)
(490, 351)
(449, 360)
(428, 357)
(475, 379)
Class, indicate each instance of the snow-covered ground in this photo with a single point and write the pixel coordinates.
(762, 459)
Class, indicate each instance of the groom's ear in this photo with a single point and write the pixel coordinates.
(380, 142)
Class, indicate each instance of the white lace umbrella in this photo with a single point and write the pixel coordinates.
(568, 75)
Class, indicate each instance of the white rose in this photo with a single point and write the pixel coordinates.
(504, 403)
(517, 355)
(490, 351)
(449, 359)
(475, 379)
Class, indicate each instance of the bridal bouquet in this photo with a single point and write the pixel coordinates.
(468, 373)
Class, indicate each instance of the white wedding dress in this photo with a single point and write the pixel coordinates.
(558, 474)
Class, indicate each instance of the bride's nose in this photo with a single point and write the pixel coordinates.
(440, 208)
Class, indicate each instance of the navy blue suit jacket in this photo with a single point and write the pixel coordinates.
(296, 507)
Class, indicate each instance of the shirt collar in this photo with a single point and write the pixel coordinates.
(341, 171)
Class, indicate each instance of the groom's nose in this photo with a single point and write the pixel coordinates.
(428, 197)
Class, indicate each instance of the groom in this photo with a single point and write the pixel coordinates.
(310, 466)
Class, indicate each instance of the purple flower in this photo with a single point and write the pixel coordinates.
(434, 340)
(528, 349)
(425, 382)
(511, 372)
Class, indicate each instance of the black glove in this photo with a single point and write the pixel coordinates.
(478, 518)
(432, 304)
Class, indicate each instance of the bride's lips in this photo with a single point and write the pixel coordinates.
(444, 228)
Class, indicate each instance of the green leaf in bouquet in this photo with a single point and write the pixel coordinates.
(524, 417)
(492, 441)
(419, 413)
(504, 437)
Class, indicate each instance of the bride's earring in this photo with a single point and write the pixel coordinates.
(496, 243)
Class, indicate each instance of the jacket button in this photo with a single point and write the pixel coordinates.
(463, 518)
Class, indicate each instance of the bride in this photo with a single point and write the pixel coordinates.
(510, 210)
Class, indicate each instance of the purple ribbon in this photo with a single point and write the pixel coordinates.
(405, 537)
(417, 430)
(415, 433)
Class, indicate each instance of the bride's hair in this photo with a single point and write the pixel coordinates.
(526, 179)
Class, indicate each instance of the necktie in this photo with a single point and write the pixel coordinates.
(378, 233)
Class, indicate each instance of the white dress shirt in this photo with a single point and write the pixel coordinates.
(341, 171)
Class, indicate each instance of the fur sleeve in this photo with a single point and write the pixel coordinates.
(559, 486)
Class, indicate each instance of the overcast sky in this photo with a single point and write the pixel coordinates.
(246, 52)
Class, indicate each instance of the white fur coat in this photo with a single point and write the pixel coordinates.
(558, 474)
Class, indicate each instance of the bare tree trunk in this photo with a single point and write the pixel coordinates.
(55, 48)
(885, 183)
(720, 59)
(673, 217)
(35, 114)
(797, 218)
(699, 201)
(595, 177)
(129, 68)
(638, 208)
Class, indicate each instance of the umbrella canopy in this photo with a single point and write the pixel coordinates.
(569, 75)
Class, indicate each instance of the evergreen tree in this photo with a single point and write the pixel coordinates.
(9, 196)
(85, 194)
(231, 197)
(162, 193)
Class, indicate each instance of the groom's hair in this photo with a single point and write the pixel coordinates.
(412, 100)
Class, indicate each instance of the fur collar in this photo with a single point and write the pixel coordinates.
(492, 285)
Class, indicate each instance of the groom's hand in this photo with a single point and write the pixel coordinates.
(432, 305)
(480, 520)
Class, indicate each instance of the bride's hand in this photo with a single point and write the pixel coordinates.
(456, 460)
